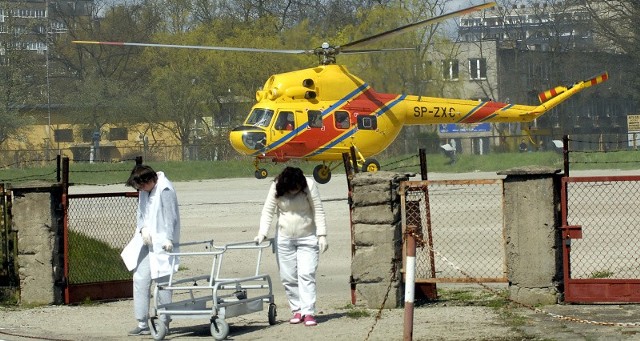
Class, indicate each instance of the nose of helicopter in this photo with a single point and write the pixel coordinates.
(247, 139)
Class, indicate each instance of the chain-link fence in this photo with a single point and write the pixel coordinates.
(607, 210)
(466, 230)
(99, 227)
(8, 249)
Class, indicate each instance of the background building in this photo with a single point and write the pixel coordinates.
(539, 46)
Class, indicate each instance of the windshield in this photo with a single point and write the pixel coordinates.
(260, 117)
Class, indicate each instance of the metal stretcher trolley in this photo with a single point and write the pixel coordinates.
(212, 296)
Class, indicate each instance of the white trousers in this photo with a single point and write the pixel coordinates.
(142, 288)
(298, 262)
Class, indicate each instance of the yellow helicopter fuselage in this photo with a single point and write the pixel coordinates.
(329, 110)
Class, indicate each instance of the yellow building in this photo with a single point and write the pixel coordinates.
(51, 133)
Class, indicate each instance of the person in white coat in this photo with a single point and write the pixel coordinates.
(157, 234)
(301, 236)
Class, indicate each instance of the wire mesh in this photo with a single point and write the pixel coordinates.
(607, 210)
(99, 227)
(8, 273)
(466, 227)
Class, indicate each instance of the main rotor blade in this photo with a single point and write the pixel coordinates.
(409, 27)
(218, 48)
(378, 50)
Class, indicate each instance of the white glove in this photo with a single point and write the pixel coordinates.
(259, 238)
(146, 236)
(322, 243)
(168, 246)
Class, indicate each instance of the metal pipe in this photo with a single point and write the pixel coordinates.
(410, 284)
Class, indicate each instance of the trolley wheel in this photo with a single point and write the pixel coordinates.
(219, 329)
(261, 173)
(158, 328)
(371, 165)
(322, 174)
(272, 313)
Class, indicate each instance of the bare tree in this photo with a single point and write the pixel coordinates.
(616, 22)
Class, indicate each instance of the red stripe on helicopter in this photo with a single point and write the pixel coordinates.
(549, 94)
(487, 109)
(309, 140)
(598, 79)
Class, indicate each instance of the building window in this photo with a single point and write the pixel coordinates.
(87, 135)
(63, 135)
(477, 68)
(450, 69)
(118, 134)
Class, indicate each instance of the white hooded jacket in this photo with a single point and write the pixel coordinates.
(299, 215)
(163, 220)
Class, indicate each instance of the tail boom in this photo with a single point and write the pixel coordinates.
(551, 98)
(430, 110)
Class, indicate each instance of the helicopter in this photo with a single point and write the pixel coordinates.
(322, 112)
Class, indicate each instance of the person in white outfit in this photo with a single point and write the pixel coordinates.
(301, 236)
(157, 234)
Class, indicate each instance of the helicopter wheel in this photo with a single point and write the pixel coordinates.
(261, 173)
(371, 165)
(322, 174)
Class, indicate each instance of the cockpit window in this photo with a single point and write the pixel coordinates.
(260, 117)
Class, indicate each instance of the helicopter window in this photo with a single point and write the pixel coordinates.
(367, 122)
(342, 119)
(285, 121)
(260, 117)
(315, 118)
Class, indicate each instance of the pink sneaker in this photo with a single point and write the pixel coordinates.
(297, 318)
(309, 321)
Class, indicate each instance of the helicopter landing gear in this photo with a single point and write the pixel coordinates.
(370, 165)
(322, 174)
(260, 173)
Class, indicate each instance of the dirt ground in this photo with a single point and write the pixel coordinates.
(229, 210)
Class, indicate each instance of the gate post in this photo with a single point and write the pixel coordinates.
(533, 239)
(377, 226)
(36, 218)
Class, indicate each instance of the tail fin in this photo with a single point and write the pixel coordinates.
(549, 94)
(597, 79)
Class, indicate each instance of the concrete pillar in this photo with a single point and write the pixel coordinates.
(37, 219)
(377, 234)
(533, 237)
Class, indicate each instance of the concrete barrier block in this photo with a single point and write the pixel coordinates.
(374, 264)
(368, 234)
(373, 295)
(379, 214)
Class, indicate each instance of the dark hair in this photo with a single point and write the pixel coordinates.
(141, 175)
(290, 179)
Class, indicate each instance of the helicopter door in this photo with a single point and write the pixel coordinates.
(285, 121)
(284, 125)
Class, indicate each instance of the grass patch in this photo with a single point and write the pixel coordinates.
(601, 274)
(117, 173)
(512, 319)
(355, 312)
(467, 297)
(91, 260)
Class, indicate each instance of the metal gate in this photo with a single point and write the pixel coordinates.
(9, 279)
(97, 227)
(462, 227)
(601, 235)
